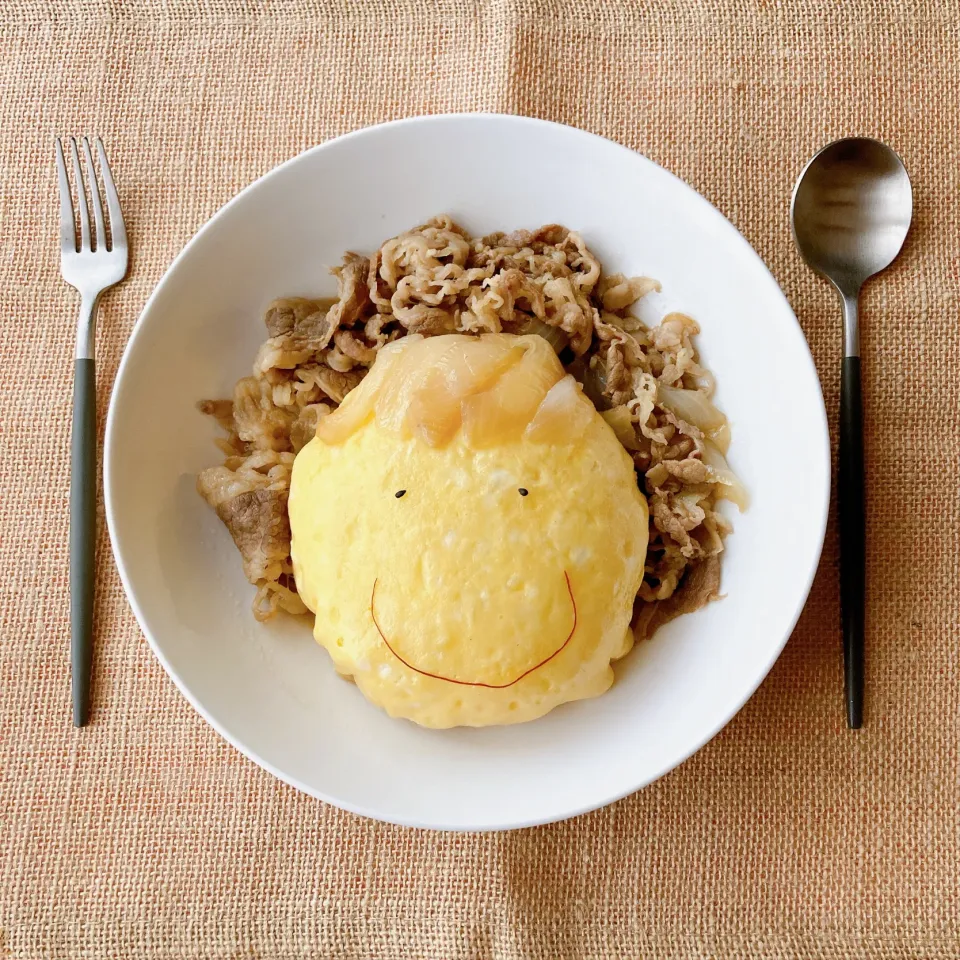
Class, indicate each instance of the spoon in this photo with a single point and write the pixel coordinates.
(851, 211)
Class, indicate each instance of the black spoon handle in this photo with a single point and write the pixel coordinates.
(852, 537)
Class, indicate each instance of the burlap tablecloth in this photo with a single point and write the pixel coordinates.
(787, 836)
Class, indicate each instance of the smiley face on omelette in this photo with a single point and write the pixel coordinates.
(469, 533)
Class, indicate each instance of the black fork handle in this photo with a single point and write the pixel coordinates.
(83, 524)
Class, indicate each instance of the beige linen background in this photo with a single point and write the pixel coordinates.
(146, 835)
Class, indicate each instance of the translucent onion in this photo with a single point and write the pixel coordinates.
(732, 488)
(691, 405)
(593, 380)
(721, 437)
(553, 335)
(619, 418)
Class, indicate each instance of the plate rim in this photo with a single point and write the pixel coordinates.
(109, 455)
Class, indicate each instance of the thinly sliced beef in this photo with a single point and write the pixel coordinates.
(438, 279)
(258, 522)
(700, 586)
(337, 385)
(302, 319)
(353, 296)
(354, 348)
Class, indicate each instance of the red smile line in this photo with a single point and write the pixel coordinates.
(469, 683)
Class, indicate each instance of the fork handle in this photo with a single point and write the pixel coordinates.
(83, 524)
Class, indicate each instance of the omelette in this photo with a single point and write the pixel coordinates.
(469, 533)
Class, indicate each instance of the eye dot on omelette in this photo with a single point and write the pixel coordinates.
(502, 583)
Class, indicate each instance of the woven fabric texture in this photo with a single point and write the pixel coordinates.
(146, 835)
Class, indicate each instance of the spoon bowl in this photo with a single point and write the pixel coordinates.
(851, 211)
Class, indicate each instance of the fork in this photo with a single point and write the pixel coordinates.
(90, 268)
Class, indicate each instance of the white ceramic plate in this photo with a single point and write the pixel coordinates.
(269, 689)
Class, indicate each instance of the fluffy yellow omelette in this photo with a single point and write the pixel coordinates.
(469, 533)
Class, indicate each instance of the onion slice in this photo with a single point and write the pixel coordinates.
(691, 405)
(732, 488)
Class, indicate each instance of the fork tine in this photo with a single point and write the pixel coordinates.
(81, 198)
(94, 196)
(117, 228)
(68, 230)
